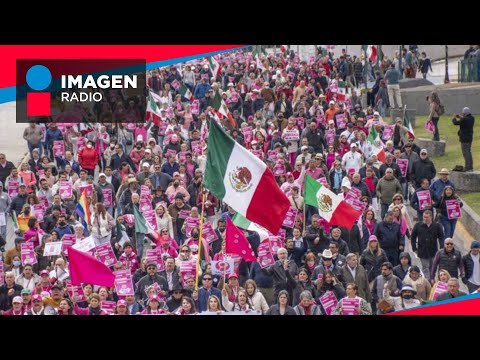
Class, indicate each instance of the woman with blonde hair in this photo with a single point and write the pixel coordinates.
(163, 218)
(255, 297)
(372, 258)
(213, 304)
(440, 285)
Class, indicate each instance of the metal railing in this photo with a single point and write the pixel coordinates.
(468, 70)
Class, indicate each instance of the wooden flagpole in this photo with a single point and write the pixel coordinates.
(200, 242)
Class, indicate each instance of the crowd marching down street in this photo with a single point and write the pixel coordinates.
(239, 184)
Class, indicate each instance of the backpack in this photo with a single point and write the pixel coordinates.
(440, 109)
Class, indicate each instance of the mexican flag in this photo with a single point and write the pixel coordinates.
(142, 226)
(186, 93)
(377, 144)
(243, 181)
(341, 92)
(408, 125)
(330, 206)
(214, 66)
(154, 109)
(246, 224)
(370, 52)
(222, 110)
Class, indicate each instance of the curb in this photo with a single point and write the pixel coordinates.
(470, 220)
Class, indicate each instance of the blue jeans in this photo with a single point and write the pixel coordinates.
(448, 226)
(38, 146)
(179, 238)
(384, 210)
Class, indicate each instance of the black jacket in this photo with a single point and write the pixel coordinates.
(466, 128)
(468, 265)
(423, 169)
(389, 236)
(427, 239)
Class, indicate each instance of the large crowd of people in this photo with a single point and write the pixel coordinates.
(125, 158)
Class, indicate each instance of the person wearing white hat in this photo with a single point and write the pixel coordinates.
(406, 300)
(352, 159)
(466, 122)
(439, 184)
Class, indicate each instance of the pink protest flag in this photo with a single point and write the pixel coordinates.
(85, 268)
(237, 243)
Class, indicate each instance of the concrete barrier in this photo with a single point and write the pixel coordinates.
(434, 148)
(471, 221)
(453, 96)
(394, 113)
(466, 181)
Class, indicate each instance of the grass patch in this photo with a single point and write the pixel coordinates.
(453, 153)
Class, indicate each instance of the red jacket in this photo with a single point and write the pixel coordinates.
(88, 158)
(209, 211)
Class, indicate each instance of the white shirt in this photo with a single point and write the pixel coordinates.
(475, 278)
(352, 160)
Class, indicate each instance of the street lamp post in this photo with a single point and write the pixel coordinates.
(400, 62)
(447, 78)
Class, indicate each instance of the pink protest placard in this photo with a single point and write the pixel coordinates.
(170, 152)
(291, 74)
(353, 194)
(258, 153)
(149, 216)
(234, 97)
(272, 154)
(196, 147)
(231, 79)
(75, 290)
(440, 288)
(196, 107)
(163, 127)
(312, 60)
(145, 191)
(152, 256)
(453, 209)
(204, 76)
(107, 197)
(13, 187)
(131, 126)
(39, 211)
(323, 181)
(321, 120)
(105, 254)
(67, 241)
(403, 165)
(27, 253)
(388, 132)
(145, 204)
(81, 142)
(182, 157)
(290, 216)
(265, 257)
(175, 84)
(429, 126)
(223, 267)
(66, 190)
(350, 306)
(88, 190)
(329, 302)
(279, 168)
(424, 199)
(348, 104)
(58, 148)
(357, 204)
(247, 134)
(290, 135)
(330, 136)
(275, 243)
(208, 233)
(184, 214)
(300, 122)
(191, 223)
(369, 117)
(2, 273)
(108, 306)
(41, 172)
(282, 233)
(188, 269)
(123, 283)
(341, 121)
(44, 200)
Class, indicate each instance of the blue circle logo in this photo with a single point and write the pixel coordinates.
(39, 77)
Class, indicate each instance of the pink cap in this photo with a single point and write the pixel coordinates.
(121, 303)
(17, 300)
(351, 171)
(372, 238)
(289, 174)
(233, 275)
(154, 298)
(37, 297)
(44, 272)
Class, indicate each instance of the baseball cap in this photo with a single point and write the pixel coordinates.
(331, 102)
(376, 113)
(43, 272)
(26, 291)
(17, 300)
(102, 174)
(37, 297)
(424, 151)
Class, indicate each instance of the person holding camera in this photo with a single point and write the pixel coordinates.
(466, 122)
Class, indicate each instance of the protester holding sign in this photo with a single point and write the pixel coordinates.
(352, 304)
(449, 206)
